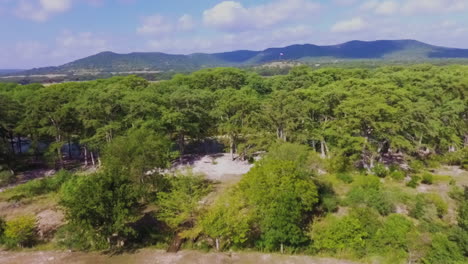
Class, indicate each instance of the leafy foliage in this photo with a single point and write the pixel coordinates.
(21, 232)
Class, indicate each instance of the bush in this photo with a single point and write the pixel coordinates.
(416, 165)
(21, 232)
(330, 202)
(6, 177)
(2, 229)
(398, 175)
(368, 192)
(414, 182)
(443, 251)
(427, 178)
(439, 203)
(422, 206)
(369, 219)
(418, 209)
(344, 177)
(338, 234)
(42, 186)
(380, 170)
(394, 234)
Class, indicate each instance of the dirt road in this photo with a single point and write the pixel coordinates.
(148, 256)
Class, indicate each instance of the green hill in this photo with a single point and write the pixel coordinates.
(109, 62)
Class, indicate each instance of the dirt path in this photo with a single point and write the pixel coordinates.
(148, 256)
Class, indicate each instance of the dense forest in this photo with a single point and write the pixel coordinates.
(344, 162)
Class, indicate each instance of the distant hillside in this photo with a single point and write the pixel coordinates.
(109, 62)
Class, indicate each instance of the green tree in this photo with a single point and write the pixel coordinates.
(179, 207)
(104, 203)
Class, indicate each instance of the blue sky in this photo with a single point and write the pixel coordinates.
(39, 33)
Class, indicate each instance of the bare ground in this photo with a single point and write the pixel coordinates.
(148, 256)
(218, 167)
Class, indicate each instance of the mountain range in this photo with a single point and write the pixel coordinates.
(109, 62)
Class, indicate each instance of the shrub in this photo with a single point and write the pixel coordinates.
(439, 203)
(418, 209)
(337, 234)
(42, 186)
(21, 232)
(394, 233)
(380, 170)
(414, 182)
(330, 202)
(416, 165)
(422, 206)
(443, 251)
(369, 219)
(2, 229)
(398, 175)
(427, 178)
(6, 177)
(344, 177)
(368, 191)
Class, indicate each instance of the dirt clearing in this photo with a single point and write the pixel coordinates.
(149, 256)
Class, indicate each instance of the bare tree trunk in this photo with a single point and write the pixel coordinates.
(282, 248)
(217, 244)
(322, 149)
(327, 152)
(92, 159)
(86, 157)
(233, 147)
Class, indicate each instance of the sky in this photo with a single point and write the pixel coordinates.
(37, 33)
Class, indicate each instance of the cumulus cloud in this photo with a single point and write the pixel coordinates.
(232, 16)
(433, 6)
(41, 10)
(352, 25)
(186, 22)
(414, 7)
(158, 25)
(155, 25)
(252, 40)
(387, 8)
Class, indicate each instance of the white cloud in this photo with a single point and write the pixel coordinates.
(344, 2)
(434, 6)
(186, 23)
(158, 25)
(232, 16)
(414, 7)
(155, 25)
(387, 8)
(41, 10)
(252, 40)
(352, 25)
(55, 5)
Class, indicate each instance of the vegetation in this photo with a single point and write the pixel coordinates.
(20, 232)
(341, 160)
